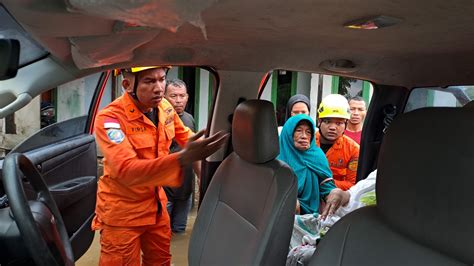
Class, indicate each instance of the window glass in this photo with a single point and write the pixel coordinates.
(10, 29)
(283, 84)
(54, 115)
(453, 96)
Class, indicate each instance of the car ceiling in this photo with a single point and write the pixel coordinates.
(433, 44)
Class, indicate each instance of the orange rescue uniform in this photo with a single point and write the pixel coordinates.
(136, 166)
(343, 159)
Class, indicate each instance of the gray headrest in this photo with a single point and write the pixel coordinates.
(425, 179)
(254, 131)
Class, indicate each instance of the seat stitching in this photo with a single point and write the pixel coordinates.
(281, 208)
(344, 241)
(243, 218)
(267, 198)
(208, 226)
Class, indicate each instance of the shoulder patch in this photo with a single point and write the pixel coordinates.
(111, 123)
(169, 110)
(353, 165)
(169, 120)
(115, 135)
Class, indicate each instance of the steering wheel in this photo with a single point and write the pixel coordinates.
(39, 221)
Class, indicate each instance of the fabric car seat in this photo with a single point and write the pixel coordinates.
(247, 214)
(425, 201)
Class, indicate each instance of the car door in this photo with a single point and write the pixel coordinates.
(65, 154)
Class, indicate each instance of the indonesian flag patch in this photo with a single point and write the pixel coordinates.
(114, 133)
(111, 123)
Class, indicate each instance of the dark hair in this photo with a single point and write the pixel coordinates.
(356, 98)
(176, 83)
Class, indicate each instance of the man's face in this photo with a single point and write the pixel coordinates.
(358, 112)
(299, 108)
(332, 128)
(150, 88)
(177, 96)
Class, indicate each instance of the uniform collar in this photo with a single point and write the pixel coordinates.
(131, 109)
(165, 111)
(133, 112)
(336, 145)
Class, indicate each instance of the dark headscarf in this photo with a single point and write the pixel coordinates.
(296, 99)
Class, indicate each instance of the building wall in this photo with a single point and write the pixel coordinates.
(267, 90)
(172, 73)
(27, 122)
(303, 83)
(202, 102)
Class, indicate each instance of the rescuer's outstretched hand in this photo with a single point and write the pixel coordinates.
(198, 147)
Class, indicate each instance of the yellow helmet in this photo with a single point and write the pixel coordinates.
(119, 71)
(140, 69)
(334, 106)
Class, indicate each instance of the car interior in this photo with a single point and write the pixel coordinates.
(10, 55)
(416, 55)
(261, 221)
(417, 198)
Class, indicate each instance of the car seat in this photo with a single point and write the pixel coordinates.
(424, 212)
(247, 214)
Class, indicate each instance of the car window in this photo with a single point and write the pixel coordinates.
(53, 115)
(70, 103)
(452, 96)
(30, 51)
(282, 84)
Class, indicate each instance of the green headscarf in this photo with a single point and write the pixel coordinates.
(311, 166)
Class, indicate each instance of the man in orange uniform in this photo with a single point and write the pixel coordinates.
(341, 151)
(134, 133)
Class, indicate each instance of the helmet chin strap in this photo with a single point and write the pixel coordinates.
(134, 92)
(135, 88)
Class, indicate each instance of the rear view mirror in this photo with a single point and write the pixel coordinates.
(9, 58)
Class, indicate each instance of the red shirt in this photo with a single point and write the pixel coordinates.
(354, 135)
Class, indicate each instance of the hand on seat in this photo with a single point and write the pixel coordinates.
(336, 198)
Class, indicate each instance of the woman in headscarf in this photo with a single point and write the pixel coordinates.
(297, 104)
(298, 149)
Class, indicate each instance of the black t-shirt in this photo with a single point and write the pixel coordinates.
(187, 188)
(153, 116)
(325, 147)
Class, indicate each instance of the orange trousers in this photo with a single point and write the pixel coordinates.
(122, 245)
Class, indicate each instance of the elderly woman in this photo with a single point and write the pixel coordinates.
(299, 151)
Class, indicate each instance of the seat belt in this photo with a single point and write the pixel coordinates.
(389, 111)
